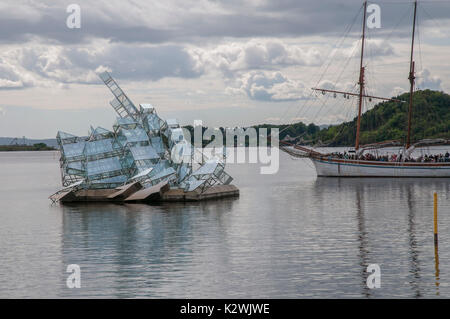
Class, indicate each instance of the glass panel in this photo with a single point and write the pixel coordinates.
(99, 147)
(74, 149)
(75, 165)
(183, 171)
(112, 180)
(205, 169)
(157, 144)
(64, 135)
(163, 173)
(135, 135)
(103, 166)
(126, 121)
(172, 123)
(143, 152)
(193, 185)
(153, 122)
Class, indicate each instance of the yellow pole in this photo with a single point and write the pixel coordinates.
(436, 266)
(436, 249)
(435, 219)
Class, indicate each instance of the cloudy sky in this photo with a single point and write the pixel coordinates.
(226, 62)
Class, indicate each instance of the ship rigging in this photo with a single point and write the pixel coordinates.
(358, 165)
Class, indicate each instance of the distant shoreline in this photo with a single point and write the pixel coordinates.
(19, 148)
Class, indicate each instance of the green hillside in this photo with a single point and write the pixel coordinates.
(388, 121)
(385, 121)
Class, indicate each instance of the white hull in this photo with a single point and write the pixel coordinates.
(352, 168)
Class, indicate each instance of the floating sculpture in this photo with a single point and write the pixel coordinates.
(143, 157)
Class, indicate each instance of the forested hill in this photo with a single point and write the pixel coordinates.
(385, 121)
(389, 121)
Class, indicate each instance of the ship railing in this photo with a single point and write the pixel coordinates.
(308, 152)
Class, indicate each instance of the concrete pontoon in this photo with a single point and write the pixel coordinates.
(153, 194)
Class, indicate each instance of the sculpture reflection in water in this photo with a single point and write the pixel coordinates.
(138, 250)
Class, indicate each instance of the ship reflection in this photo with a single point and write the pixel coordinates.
(413, 250)
(363, 242)
(124, 247)
(365, 194)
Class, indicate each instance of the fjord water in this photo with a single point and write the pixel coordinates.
(288, 235)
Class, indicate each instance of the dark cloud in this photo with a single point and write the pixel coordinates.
(139, 42)
(285, 18)
(140, 62)
(52, 28)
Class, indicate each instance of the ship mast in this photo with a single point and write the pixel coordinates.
(361, 95)
(361, 78)
(411, 79)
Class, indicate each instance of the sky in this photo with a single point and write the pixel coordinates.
(225, 62)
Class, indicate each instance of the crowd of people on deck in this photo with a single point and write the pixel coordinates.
(433, 158)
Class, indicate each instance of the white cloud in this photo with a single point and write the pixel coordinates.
(12, 75)
(269, 86)
(396, 91)
(57, 65)
(373, 48)
(427, 81)
(436, 29)
(52, 62)
(255, 54)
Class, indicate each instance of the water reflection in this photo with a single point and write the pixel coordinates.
(129, 249)
(340, 224)
(436, 269)
(413, 249)
(363, 243)
(379, 202)
(289, 235)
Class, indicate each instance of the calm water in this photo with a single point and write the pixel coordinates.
(289, 235)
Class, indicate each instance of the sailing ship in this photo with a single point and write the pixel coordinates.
(358, 164)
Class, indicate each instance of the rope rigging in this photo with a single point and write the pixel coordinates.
(371, 76)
